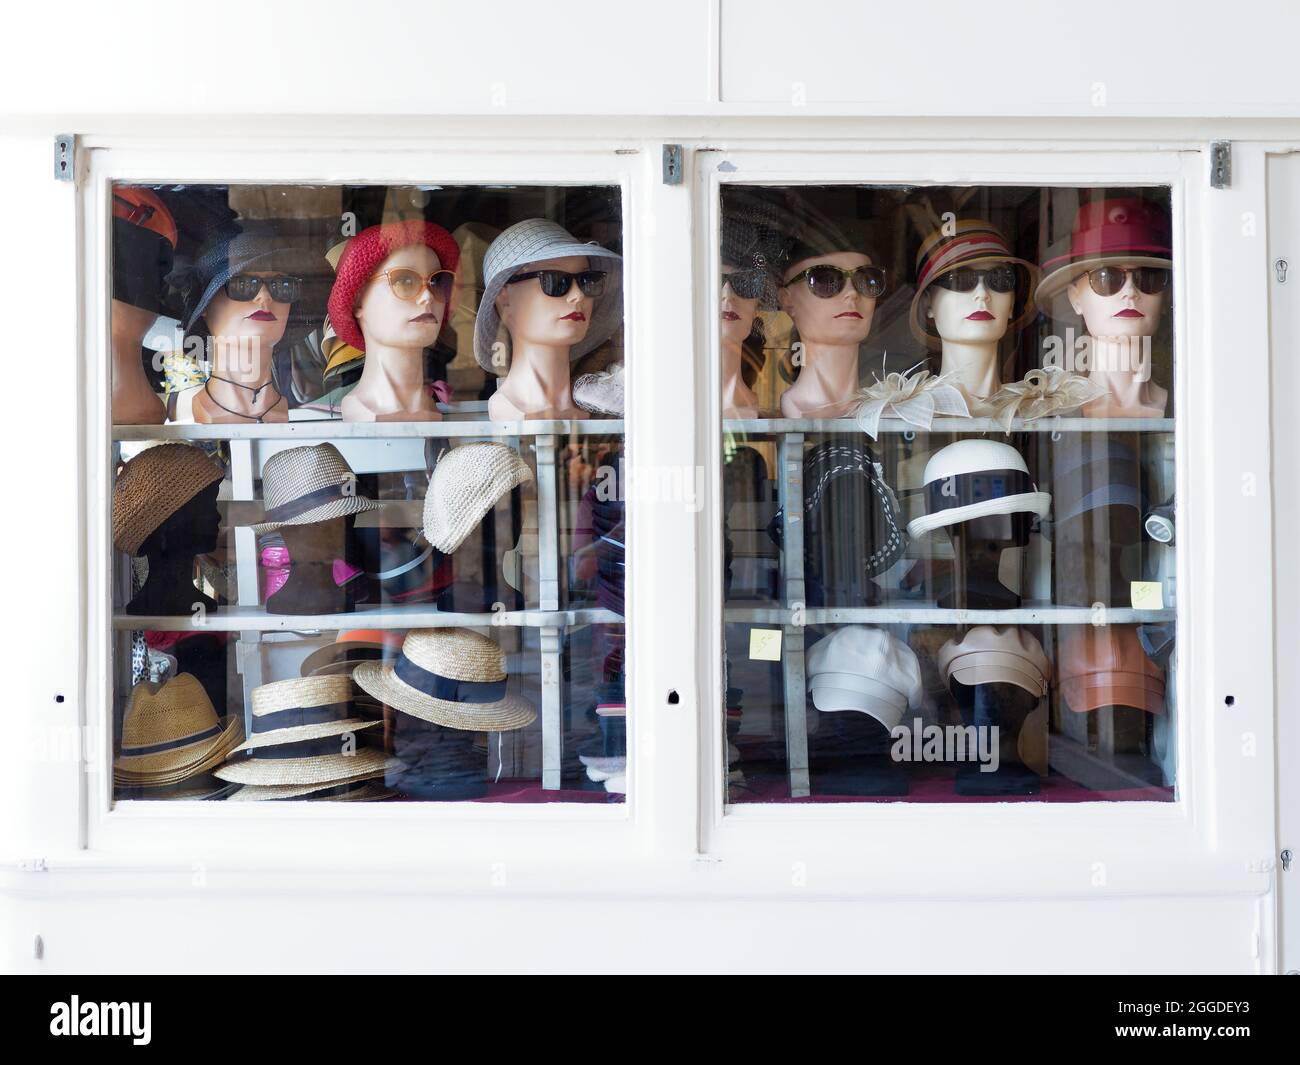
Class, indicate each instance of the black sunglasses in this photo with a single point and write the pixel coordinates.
(997, 279)
(1110, 280)
(282, 287)
(825, 281)
(558, 282)
(745, 284)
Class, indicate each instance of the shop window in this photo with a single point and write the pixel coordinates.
(367, 527)
(948, 472)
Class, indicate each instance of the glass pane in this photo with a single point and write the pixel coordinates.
(368, 531)
(948, 521)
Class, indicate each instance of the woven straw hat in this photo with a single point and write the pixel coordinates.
(450, 677)
(365, 789)
(290, 763)
(172, 733)
(351, 646)
(533, 241)
(308, 484)
(601, 393)
(155, 485)
(303, 708)
(467, 482)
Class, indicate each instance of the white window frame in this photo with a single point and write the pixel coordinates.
(1215, 836)
(470, 835)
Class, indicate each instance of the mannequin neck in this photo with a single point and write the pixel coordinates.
(538, 378)
(392, 379)
(134, 400)
(245, 363)
(1122, 366)
(738, 399)
(828, 379)
(976, 366)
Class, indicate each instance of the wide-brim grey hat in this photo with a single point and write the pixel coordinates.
(531, 241)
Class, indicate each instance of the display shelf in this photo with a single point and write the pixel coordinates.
(335, 429)
(770, 426)
(412, 616)
(1034, 614)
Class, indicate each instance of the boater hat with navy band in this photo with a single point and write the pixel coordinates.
(970, 244)
(308, 484)
(451, 677)
(975, 478)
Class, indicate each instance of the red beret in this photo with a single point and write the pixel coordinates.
(362, 257)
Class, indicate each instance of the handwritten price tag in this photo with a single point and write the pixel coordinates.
(1147, 595)
(765, 645)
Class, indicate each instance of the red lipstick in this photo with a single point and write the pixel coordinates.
(574, 316)
(979, 316)
(1129, 312)
(848, 314)
(261, 316)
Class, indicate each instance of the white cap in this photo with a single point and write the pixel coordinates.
(861, 668)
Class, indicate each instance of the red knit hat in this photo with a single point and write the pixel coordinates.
(363, 255)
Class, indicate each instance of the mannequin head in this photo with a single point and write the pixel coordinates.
(980, 316)
(388, 320)
(247, 328)
(1130, 312)
(736, 313)
(532, 318)
(191, 530)
(842, 319)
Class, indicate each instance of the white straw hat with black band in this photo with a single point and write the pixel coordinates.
(329, 760)
(467, 482)
(308, 484)
(532, 241)
(450, 677)
(303, 708)
(974, 478)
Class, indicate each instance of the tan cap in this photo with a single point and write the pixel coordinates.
(991, 654)
(1105, 665)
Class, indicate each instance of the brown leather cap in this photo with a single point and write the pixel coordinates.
(990, 654)
(1105, 665)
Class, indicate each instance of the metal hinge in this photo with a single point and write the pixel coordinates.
(672, 164)
(65, 157)
(1220, 164)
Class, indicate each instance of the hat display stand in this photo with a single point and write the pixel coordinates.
(1095, 557)
(171, 549)
(1007, 708)
(977, 575)
(312, 586)
(850, 755)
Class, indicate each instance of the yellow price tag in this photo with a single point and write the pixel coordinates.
(765, 645)
(1147, 595)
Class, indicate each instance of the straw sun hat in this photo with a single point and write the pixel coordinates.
(308, 484)
(304, 733)
(172, 733)
(467, 482)
(450, 677)
(155, 485)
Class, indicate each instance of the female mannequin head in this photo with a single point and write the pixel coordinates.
(533, 318)
(384, 312)
(1128, 311)
(247, 329)
(979, 316)
(737, 313)
(841, 319)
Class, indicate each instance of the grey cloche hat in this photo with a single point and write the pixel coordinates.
(534, 240)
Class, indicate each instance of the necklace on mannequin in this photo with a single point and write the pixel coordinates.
(257, 391)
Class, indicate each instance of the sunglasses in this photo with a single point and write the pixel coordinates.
(408, 284)
(825, 281)
(997, 279)
(283, 289)
(1109, 280)
(558, 282)
(745, 284)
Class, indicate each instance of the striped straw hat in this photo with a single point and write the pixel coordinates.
(155, 485)
(451, 677)
(971, 243)
(303, 708)
(304, 732)
(467, 482)
(308, 484)
(172, 733)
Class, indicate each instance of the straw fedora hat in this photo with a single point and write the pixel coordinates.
(532, 241)
(155, 485)
(450, 677)
(467, 482)
(303, 708)
(172, 733)
(308, 484)
(366, 789)
(971, 243)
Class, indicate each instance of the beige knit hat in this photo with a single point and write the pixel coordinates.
(172, 733)
(450, 677)
(303, 708)
(308, 484)
(467, 482)
(155, 485)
